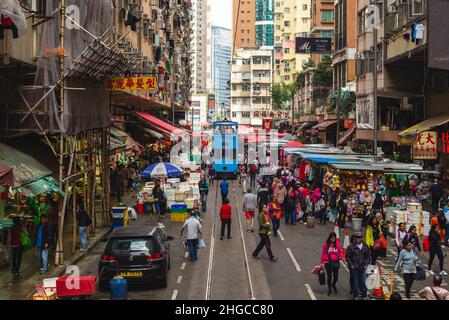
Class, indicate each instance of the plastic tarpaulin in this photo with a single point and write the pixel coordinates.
(41, 186)
(12, 9)
(26, 169)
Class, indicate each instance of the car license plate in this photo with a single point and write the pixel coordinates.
(131, 274)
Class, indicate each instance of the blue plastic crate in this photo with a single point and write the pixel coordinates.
(178, 207)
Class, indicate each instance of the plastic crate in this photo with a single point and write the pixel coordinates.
(179, 217)
(178, 207)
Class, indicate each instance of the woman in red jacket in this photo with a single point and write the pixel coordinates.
(225, 216)
(331, 255)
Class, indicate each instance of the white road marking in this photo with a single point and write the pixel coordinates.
(309, 290)
(183, 266)
(179, 279)
(174, 295)
(186, 255)
(211, 255)
(298, 268)
(281, 236)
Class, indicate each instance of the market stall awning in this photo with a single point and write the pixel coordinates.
(407, 136)
(306, 125)
(245, 129)
(116, 144)
(325, 124)
(126, 138)
(6, 175)
(41, 186)
(348, 134)
(26, 169)
(158, 124)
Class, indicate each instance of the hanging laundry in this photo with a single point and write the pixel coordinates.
(161, 72)
(413, 27)
(419, 34)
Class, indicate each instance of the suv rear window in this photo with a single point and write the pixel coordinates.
(131, 245)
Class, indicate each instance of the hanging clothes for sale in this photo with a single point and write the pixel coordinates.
(158, 54)
(302, 170)
(11, 18)
(161, 79)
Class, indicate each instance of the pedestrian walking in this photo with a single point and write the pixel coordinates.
(358, 258)
(16, 246)
(42, 243)
(375, 239)
(436, 191)
(263, 195)
(249, 207)
(204, 191)
(443, 220)
(412, 236)
(400, 235)
(351, 241)
(407, 262)
(212, 174)
(378, 204)
(275, 215)
(333, 216)
(84, 221)
(435, 292)
(225, 217)
(289, 206)
(342, 208)
(252, 172)
(330, 257)
(436, 250)
(224, 189)
(194, 230)
(265, 229)
(160, 199)
(320, 210)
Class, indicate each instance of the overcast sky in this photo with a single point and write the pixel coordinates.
(222, 13)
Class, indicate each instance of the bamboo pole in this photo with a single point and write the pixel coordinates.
(59, 256)
(74, 191)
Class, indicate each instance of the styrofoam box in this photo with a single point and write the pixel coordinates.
(426, 230)
(414, 207)
(50, 282)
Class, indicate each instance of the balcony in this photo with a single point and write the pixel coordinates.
(240, 93)
(261, 66)
(261, 80)
(241, 68)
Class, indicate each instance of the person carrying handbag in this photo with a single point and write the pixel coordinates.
(330, 257)
(375, 239)
(407, 262)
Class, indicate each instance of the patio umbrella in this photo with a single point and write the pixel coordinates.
(294, 144)
(162, 170)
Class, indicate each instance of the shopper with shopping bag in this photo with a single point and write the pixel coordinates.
(194, 230)
(407, 261)
(331, 255)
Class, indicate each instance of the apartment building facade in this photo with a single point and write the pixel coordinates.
(201, 46)
(292, 19)
(322, 21)
(244, 24)
(251, 80)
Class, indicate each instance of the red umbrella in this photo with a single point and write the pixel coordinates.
(294, 144)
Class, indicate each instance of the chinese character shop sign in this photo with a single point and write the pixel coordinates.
(426, 146)
(132, 83)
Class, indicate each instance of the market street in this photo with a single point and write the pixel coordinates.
(224, 271)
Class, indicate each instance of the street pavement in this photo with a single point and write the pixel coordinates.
(227, 270)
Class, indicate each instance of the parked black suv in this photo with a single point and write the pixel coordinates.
(139, 254)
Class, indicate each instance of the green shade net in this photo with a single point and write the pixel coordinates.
(41, 186)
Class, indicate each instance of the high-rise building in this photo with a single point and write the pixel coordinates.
(243, 26)
(221, 67)
(264, 23)
(292, 19)
(322, 21)
(251, 79)
(201, 46)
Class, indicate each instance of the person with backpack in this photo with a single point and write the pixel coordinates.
(224, 189)
(443, 220)
(407, 260)
(84, 221)
(412, 236)
(275, 215)
(375, 239)
(435, 292)
(435, 250)
(330, 257)
(289, 206)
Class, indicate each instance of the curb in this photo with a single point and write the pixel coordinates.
(81, 256)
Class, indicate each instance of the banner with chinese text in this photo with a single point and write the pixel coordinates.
(132, 84)
(426, 146)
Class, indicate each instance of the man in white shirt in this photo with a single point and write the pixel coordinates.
(193, 227)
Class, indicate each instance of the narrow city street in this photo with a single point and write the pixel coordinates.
(226, 269)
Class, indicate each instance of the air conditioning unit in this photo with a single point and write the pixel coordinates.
(134, 50)
(123, 43)
(132, 2)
